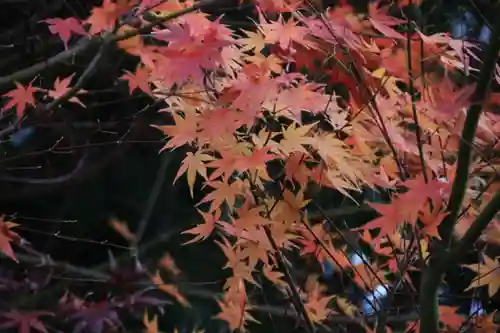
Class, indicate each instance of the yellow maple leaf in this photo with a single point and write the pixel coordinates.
(191, 165)
(487, 274)
(255, 41)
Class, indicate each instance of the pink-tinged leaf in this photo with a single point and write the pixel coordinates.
(139, 79)
(380, 14)
(386, 30)
(61, 87)
(20, 97)
(65, 28)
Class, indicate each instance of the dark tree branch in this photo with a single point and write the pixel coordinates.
(433, 275)
(87, 74)
(468, 133)
(48, 181)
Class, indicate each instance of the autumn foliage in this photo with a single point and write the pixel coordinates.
(245, 103)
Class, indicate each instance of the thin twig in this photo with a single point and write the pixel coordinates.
(166, 158)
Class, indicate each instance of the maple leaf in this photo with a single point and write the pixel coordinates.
(492, 233)
(202, 231)
(95, 317)
(223, 191)
(169, 289)
(138, 79)
(448, 315)
(431, 222)
(21, 97)
(104, 17)
(132, 45)
(7, 236)
(123, 229)
(192, 165)
(61, 87)
(25, 321)
(274, 276)
(487, 274)
(391, 217)
(183, 132)
(151, 326)
(255, 42)
(162, 6)
(285, 33)
(65, 28)
(316, 304)
(168, 263)
(295, 138)
(224, 166)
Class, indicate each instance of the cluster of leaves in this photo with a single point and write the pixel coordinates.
(244, 101)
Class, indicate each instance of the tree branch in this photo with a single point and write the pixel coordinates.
(166, 158)
(433, 275)
(86, 43)
(468, 133)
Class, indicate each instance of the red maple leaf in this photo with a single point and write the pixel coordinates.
(20, 97)
(65, 28)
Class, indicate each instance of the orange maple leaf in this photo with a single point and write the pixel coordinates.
(103, 18)
(183, 132)
(169, 289)
(223, 191)
(168, 263)
(202, 231)
(192, 165)
(487, 274)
